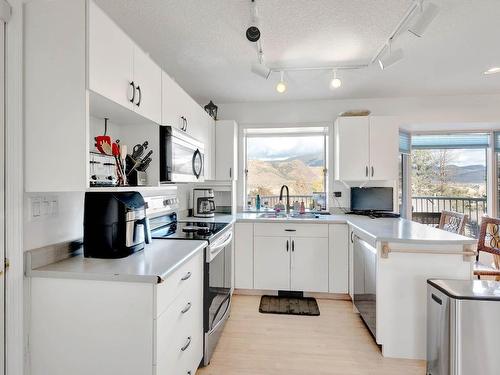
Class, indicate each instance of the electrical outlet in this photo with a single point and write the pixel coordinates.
(337, 194)
(42, 207)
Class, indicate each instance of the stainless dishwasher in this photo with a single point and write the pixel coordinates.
(463, 327)
(365, 282)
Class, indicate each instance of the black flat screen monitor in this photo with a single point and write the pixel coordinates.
(372, 199)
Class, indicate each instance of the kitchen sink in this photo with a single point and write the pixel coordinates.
(272, 215)
(307, 215)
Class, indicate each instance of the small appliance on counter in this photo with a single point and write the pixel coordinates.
(203, 202)
(462, 327)
(374, 202)
(114, 224)
(102, 170)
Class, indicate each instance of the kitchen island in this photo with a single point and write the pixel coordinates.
(395, 258)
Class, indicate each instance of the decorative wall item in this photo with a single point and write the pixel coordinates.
(211, 109)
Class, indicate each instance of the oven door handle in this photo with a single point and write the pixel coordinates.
(228, 297)
(226, 242)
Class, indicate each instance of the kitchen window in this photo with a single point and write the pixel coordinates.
(449, 172)
(296, 157)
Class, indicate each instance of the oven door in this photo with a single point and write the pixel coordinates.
(218, 290)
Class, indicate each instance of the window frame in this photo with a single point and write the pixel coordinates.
(288, 131)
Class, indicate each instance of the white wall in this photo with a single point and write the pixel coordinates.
(439, 113)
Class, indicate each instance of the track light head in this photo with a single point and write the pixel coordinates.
(423, 19)
(391, 58)
(261, 70)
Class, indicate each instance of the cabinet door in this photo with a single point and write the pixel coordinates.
(384, 148)
(226, 154)
(243, 255)
(352, 148)
(309, 266)
(209, 142)
(110, 58)
(147, 79)
(338, 258)
(172, 102)
(272, 263)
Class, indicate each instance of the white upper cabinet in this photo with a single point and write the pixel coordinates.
(173, 103)
(384, 148)
(352, 148)
(110, 58)
(147, 80)
(226, 150)
(366, 148)
(119, 70)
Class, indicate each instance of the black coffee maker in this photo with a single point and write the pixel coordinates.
(114, 225)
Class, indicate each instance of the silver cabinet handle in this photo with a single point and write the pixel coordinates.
(186, 309)
(187, 276)
(132, 99)
(373, 171)
(186, 345)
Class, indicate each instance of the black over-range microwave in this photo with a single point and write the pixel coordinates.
(182, 157)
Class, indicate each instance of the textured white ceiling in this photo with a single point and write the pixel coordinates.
(201, 44)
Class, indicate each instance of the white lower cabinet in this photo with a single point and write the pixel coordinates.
(288, 257)
(82, 327)
(272, 263)
(309, 264)
(338, 258)
(243, 255)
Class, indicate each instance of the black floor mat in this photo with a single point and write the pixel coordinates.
(289, 305)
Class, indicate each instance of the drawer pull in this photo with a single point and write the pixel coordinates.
(187, 276)
(290, 230)
(186, 345)
(186, 309)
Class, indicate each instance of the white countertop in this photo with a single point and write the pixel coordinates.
(382, 229)
(152, 265)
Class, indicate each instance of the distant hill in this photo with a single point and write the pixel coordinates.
(311, 160)
(300, 177)
(470, 174)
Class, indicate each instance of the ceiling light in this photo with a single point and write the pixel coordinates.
(493, 70)
(335, 83)
(281, 86)
(391, 58)
(423, 19)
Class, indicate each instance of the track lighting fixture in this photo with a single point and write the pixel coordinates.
(424, 15)
(391, 58)
(281, 86)
(335, 83)
(261, 70)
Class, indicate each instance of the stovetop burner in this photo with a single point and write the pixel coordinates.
(189, 230)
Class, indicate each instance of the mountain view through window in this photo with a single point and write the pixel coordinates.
(295, 161)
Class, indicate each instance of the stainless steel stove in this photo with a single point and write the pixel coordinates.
(218, 286)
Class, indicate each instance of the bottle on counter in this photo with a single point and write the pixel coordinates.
(257, 202)
(302, 207)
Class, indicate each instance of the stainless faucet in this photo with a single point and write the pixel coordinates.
(287, 207)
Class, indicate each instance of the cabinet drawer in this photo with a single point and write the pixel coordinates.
(188, 277)
(180, 326)
(292, 229)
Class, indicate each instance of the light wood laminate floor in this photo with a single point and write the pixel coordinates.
(336, 342)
